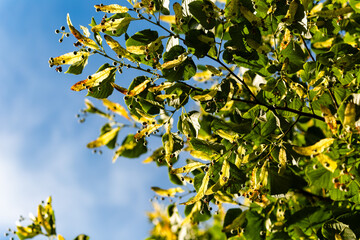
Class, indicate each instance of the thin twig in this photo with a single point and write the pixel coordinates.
(307, 49)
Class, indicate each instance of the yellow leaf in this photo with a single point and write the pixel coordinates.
(329, 119)
(69, 58)
(167, 192)
(201, 155)
(138, 50)
(85, 30)
(121, 149)
(112, 8)
(225, 170)
(176, 62)
(299, 89)
(327, 162)
(60, 237)
(82, 39)
(93, 80)
(349, 115)
(202, 190)
(116, 108)
(144, 116)
(188, 168)
(112, 25)
(104, 139)
(119, 88)
(228, 136)
(202, 76)
(168, 18)
(164, 96)
(286, 39)
(214, 70)
(206, 97)
(326, 44)
(282, 161)
(148, 130)
(139, 88)
(118, 49)
(162, 86)
(178, 13)
(315, 149)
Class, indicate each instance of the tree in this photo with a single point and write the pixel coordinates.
(277, 132)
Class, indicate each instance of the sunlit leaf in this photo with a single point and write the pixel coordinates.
(329, 119)
(148, 130)
(349, 115)
(82, 39)
(176, 62)
(69, 58)
(104, 139)
(118, 49)
(119, 88)
(139, 88)
(315, 149)
(201, 192)
(112, 8)
(167, 192)
(169, 19)
(116, 108)
(327, 162)
(188, 168)
(206, 97)
(93, 80)
(113, 25)
(282, 161)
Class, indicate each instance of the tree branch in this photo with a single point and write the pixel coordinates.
(300, 113)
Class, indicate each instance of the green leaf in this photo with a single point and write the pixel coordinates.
(130, 148)
(184, 71)
(142, 38)
(78, 67)
(201, 12)
(255, 225)
(199, 42)
(82, 237)
(333, 227)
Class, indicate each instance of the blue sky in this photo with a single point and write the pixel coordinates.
(42, 146)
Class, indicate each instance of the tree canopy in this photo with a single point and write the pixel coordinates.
(257, 104)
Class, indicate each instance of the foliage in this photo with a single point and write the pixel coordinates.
(41, 225)
(278, 126)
